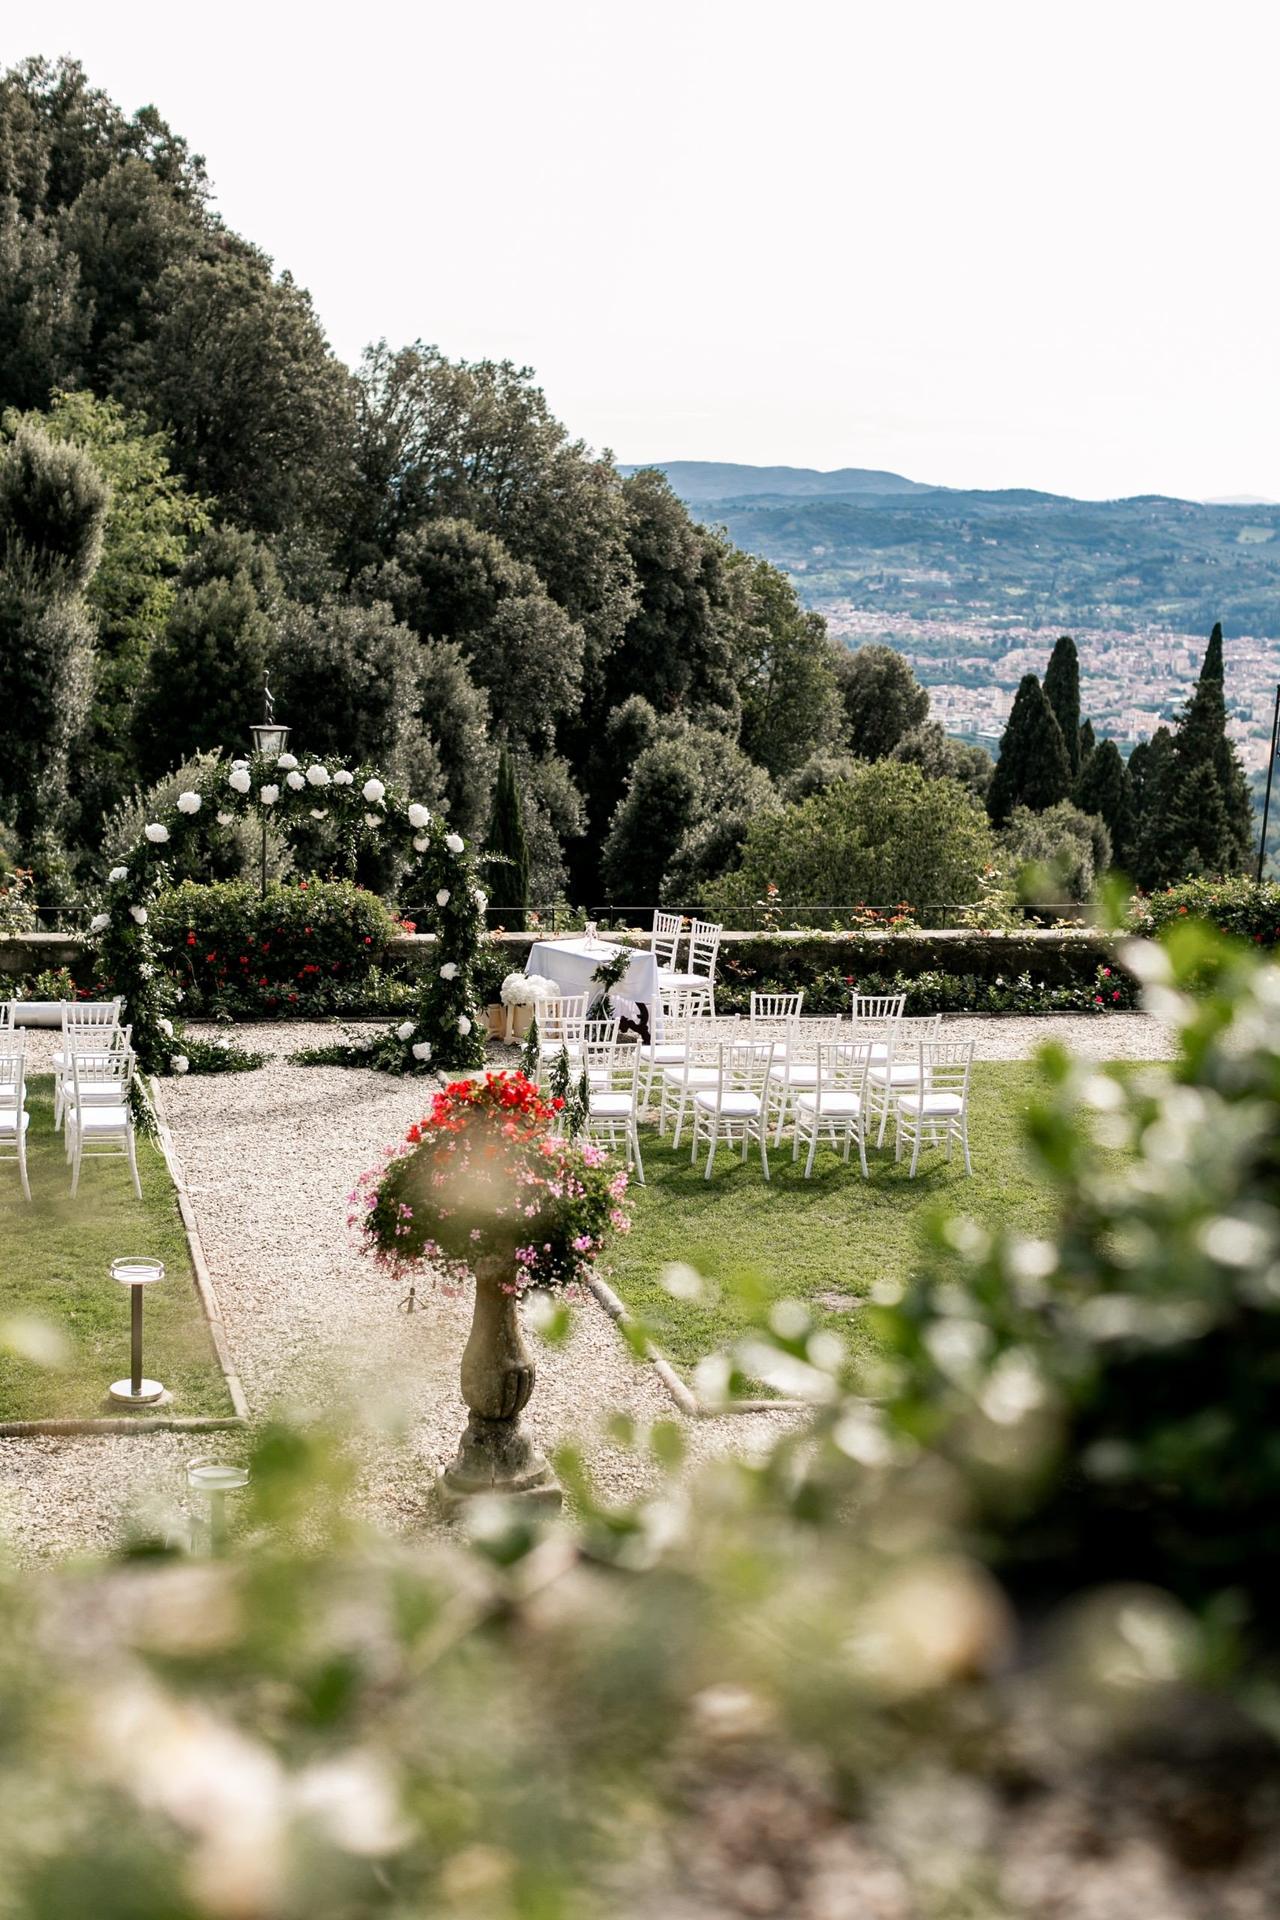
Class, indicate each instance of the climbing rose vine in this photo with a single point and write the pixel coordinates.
(486, 1175)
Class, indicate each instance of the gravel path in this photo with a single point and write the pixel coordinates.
(269, 1159)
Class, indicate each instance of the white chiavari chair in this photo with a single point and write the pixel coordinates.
(834, 1108)
(664, 940)
(734, 1107)
(796, 1070)
(900, 1071)
(936, 1109)
(14, 1118)
(704, 949)
(611, 1109)
(94, 1017)
(99, 1129)
(697, 1069)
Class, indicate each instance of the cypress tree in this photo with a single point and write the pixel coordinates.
(1088, 741)
(1062, 691)
(1104, 788)
(1034, 769)
(509, 872)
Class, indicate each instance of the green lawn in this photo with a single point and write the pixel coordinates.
(831, 1235)
(54, 1270)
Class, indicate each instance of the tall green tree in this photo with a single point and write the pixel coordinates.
(1033, 769)
(1103, 787)
(941, 757)
(882, 698)
(1195, 812)
(53, 506)
(508, 865)
(1062, 691)
(791, 705)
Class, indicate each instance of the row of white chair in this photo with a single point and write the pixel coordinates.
(699, 979)
(93, 1072)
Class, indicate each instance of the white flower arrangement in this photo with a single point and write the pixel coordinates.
(157, 833)
(449, 971)
(342, 778)
(481, 899)
(286, 762)
(404, 1030)
(443, 897)
(317, 775)
(373, 819)
(268, 795)
(419, 816)
(239, 763)
(100, 922)
(422, 1050)
(464, 1025)
(166, 1028)
(238, 780)
(188, 803)
(116, 875)
(140, 915)
(454, 842)
(225, 819)
(295, 781)
(178, 1062)
(372, 791)
(420, 843)
(521, 990)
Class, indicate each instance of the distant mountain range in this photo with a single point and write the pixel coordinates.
(1009, 558)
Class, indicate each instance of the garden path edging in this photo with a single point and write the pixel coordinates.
(684, 1396)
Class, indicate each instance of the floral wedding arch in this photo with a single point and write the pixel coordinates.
(446, 1030)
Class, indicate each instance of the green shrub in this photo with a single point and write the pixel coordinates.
(309, 947)
(17, 903)
(1240, 907)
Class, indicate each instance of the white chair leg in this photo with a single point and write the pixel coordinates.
(75, 1167)
(813, 1148)
(635, 1149)
(711, 1150)
(862, 1151)
(964, 1141)
(915, 1151)
(133, 1164)
(22, 1159)
(884, 1118)
(764, 1157)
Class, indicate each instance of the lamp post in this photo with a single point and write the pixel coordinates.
(136, 1273)
(216, 1479)
(268, 738)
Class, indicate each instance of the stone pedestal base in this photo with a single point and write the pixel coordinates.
(496, 1456)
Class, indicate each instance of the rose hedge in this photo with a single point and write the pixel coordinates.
(306, 947)
(444, 1029)
(1243, 908)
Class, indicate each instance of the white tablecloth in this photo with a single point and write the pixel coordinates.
(571, 963)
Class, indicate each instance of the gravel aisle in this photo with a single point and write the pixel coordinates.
(269, 1158)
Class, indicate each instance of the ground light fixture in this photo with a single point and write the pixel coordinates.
(136, 1272)
(215, 1479)
(269, 738)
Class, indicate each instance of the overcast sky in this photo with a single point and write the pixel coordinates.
(980, 244)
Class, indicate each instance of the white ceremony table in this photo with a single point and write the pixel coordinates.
(570, 964)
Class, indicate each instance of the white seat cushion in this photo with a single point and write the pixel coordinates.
(104, 1120)
(9, 1119)
(901, 1074)
(875, 1054)
(734, 1105)
(797, 1073)
(934, 1105)
(840, 1106)
(8, 1093)
(96, 1093)
(666, 1054)
(684, 979)
(607, 1106)
(691, 1076)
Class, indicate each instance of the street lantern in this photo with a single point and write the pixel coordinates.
(137, 1273)
(268, 736)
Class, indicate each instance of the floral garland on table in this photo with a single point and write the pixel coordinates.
(445, 1031)
(487, 1174)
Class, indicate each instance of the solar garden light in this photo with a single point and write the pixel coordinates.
(216, 1479)
(137, 1273)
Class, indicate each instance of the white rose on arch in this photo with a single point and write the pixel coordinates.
(100, 922)
(342, 778)
(319, 813)
(295, 780)
(422, 1050)
(286, 762)
(140, 915)
(157, 833)
(373, 820)
(268, 795)
(443, 897)
(318, 775)
(166, 1028)
(188, 803)
(178, 1062)
(225, 819)
(454, 842)
(464, 1025)
(116, 875)
(421, 843)
(449, 971)
(239, 780)
(404, 1030)
(372, 791)
(419, 816)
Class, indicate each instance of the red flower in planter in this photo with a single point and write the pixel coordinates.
(191, 939)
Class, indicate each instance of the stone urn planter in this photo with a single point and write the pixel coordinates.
(486, 1192)
(495, 1455)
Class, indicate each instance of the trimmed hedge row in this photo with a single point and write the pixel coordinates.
(1241, 907)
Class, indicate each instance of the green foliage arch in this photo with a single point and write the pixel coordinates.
(446, 1030)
